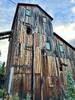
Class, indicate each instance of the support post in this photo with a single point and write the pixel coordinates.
(10, 80)
(33, 71)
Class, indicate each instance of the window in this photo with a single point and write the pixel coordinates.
(48, 47)
(61, 48)
(44, 19)
(21, 14)
(28, 31)
(19, 51)
(61, 69)
(28, 12)
(28, 16)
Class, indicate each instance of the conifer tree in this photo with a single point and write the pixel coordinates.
(2, 69)
(70, 92)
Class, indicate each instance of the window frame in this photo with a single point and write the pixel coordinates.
(44, 19)
(61, 48)
(27, 13)
(49, 49)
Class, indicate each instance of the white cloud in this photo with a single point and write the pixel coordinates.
(73, 9)
(0, 3)
(5, 28)
(4, 50)
(66, 31)
(72, 1)
(51, 13)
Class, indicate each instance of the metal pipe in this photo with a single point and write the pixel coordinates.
(10, 80)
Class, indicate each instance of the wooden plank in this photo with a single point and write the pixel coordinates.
(52, 71)
(37, 60)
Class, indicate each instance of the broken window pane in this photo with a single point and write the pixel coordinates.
(28, 12)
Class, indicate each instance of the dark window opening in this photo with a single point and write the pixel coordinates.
(19, 52)
(61, 69)
(28, 31)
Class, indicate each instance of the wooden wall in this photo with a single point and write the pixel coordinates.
(49, 76)
(66, 56)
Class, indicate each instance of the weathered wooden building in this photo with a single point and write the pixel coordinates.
(40, 58)
(66, 55)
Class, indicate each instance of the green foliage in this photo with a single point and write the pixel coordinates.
(28, 97)
(70, 93)
(15, 98)
(2, 69)
(1, 92)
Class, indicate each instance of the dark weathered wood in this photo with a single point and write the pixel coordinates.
(41, 63)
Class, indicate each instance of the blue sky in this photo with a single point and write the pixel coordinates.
(63, 12)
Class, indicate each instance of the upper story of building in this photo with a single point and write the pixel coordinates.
(63, 48)
(31, 19)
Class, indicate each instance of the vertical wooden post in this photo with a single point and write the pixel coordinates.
(42, 75)
(33, 70)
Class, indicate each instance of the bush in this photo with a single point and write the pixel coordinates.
(15, 98)
(70, 92)
(2, 69)
(1, 93)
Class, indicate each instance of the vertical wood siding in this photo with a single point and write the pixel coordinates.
(47, 65)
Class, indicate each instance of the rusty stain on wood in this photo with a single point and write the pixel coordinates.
(48, 75)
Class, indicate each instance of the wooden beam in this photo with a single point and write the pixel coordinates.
(6, 37)
(5, 33)
(23, 65)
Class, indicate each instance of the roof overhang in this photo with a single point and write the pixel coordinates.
(27, 4)
(5, 35)
(64, 41)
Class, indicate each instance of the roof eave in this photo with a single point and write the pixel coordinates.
(24, 4)
(64, 41)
